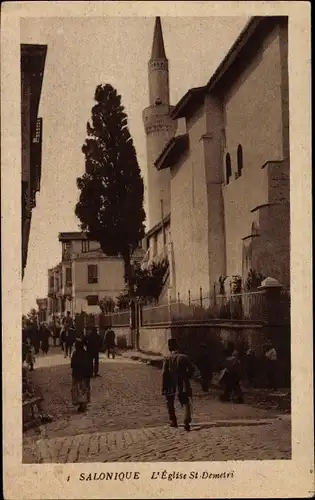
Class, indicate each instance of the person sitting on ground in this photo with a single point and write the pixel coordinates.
(176, 374)
(82, 371)
(109, 342)
(232, 375)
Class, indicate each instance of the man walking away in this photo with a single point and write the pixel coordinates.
(176, 375)
(81, 367)
(45, 334)
(110, 342)
(232, 375)
(67, 334)
(204, 366)
(271, 366)
(93, 343)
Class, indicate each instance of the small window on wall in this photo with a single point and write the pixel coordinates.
(239, 160)
(92, 273)
(85, 246)
(92, 300)
(228, 167)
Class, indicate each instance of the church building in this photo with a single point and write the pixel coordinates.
(219, 164)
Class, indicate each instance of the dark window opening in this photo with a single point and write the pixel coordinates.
(92, 300)
(92, 274)
(239, 160)
(228, 167)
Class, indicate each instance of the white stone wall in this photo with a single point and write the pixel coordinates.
(189, 222)
(253, 118)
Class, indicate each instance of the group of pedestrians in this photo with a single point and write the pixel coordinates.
(178, 371)
(34, 338)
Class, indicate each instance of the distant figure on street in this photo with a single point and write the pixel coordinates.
(109, 342)
(29, 354)
(34, 335)
(232, 375)
(271, 365)
(81, 366)
(44, 334)
(176, 374)
(204, 366)
(67, 334)
(93, 343)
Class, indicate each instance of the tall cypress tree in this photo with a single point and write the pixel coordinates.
(110, 207)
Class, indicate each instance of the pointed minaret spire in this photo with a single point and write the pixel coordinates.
(158, 50)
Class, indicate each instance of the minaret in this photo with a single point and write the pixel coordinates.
(159, 128)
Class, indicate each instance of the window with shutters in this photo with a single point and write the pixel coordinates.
(92, 300)
(92, 273)
(85, 246)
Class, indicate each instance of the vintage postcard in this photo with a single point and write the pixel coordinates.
(156, 242)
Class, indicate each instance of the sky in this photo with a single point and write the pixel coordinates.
(83, 53)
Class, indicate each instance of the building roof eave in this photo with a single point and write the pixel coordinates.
(176, 146)
(192, 98)
(158, 226)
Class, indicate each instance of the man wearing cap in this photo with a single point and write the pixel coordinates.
(176, 374)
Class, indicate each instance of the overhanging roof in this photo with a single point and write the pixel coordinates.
(194, 97)
(72, 235)
(173, 149)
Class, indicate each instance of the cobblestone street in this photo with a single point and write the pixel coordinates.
(127, 421)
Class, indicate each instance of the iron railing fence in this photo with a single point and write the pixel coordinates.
(243, 306)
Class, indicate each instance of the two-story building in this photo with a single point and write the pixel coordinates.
(84, 276)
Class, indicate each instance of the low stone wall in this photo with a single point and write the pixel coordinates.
(153, 340)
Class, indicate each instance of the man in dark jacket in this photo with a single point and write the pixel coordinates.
(176, 375)
(109, 342)
(93, 344)
(232, 376)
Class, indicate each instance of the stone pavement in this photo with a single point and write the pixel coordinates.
(127, 421)
(265, 439)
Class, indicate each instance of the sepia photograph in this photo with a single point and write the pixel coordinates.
(163, 328)
(156, 243)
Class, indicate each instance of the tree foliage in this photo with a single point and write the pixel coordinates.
(110, 206)
(107, 305)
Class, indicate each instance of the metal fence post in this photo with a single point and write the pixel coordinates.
(200, 296)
